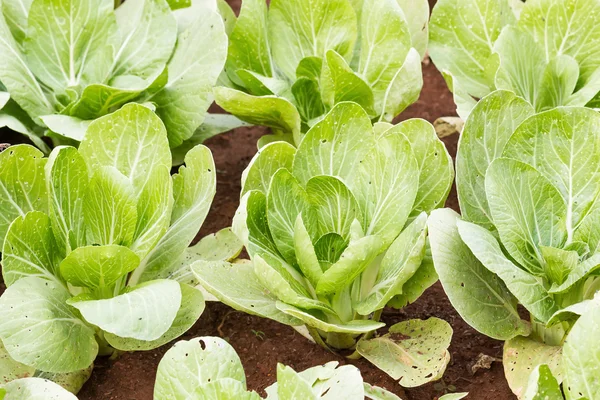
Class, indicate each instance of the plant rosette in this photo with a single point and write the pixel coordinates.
(208, 368)
(528, 186)
(288, 64)
(336, 229)
(546, 51)
(93, 241)
(67, 63)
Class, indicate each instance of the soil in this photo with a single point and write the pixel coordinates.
(262, 343)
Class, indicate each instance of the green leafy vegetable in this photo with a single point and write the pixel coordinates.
(34, 389)
(96, 233)
(528, 189)
(209, 368)
(336, 229)
(69, 63)
(292, 62)
(547, 51)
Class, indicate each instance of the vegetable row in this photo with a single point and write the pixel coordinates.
(339, 210)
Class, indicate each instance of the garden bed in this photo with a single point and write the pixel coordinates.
(262, 343)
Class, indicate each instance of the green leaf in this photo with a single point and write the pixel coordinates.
(571, 312)
(245, 293)
(30, 250)
(403, 89)
(583, 269)
(223, 245)
(400, 263)
(80, 51)
(16, 12)
(527, 210)
(414, 352)
(190, 365)
(580, 355)
(436, 173)
(192, 306)
(329, 249)
(558, 263)
(66, 126)
(260, 239)
(154, 208)
(486, 132)
(307, 94)
(290, 385)
(528, 289)
(341, 84)
(132, 140)
(148, 32)
(416, 14)
(225, 388)
(357, 327)
(286, 200)
(587, 233)
(564, 139)
(566, 28)
(462, 37)
(249, 42)
(194, 188)
(377, 393)
(542, 385)
(67, 182)
(353, 261)
(480, 297)
(11, 369)
(521, 357)
(454, 396)
(178, 4)
(306, 255)
(422, 280)
(344, 382)
(559, 82)
(98, 267)
(39, 328)
(263, 166)
(271, 111)
(335, 145)
(35, 389)
(522, 64)
(22, 184)
(71, 381)
(109, 208)
(385, 185)
(16, 75)
(385, 43)
(334, 205)
(144, 312)
(194, 68)
(302, 28)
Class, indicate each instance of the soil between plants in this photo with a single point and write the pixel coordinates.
(262, 343)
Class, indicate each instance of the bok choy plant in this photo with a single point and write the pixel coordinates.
(208, 368)
(336, 229)
(90, 236)
(289, 64)
(546, 51)
(528, 186)
(34, 389)
(66, 63)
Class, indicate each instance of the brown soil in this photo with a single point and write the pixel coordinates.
(262, 343)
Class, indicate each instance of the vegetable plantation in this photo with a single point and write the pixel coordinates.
(300, 199)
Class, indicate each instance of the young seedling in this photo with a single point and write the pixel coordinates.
(528, 186)
(67, 63)
(292, 62)
(336, 229)
(546, 51)
(91, 237)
